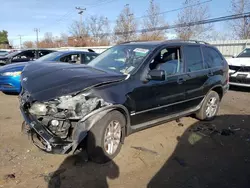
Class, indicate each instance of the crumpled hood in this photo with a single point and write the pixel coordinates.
(13, 67)
(46, 81)
(244, 61)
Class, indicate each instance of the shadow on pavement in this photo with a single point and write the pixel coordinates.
(76, 172)
(210, 154)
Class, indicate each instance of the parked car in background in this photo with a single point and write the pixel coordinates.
(127, 88)
(239, 69)
(10, 74)
(23, 56)
(79, 57)
(3, 53)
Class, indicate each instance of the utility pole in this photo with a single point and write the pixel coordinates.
(20, 40)
(37, 31)
(80, 12)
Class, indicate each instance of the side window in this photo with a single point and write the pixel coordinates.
(72, 58)
(211, 57)
(43, 53)
(89, 57)
(169, 60)
(193, 58)
(25, 55)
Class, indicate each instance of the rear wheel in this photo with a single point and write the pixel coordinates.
(210, 107)
(104, 138)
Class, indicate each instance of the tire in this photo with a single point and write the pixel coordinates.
(96, 147)
(203, 113)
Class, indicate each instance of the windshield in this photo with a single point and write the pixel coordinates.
(49, 57)
(245, 53)
(121, 59)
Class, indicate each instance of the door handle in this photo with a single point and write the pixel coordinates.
(180, 80)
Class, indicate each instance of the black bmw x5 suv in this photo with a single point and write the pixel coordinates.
(129, 87)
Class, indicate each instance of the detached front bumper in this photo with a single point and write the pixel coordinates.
(52, 143)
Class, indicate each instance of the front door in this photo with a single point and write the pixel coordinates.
(157, 99)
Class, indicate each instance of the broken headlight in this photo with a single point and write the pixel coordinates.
(68, 107)
(39, 109)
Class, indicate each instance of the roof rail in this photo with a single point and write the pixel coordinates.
(181, 40)
(133, 41)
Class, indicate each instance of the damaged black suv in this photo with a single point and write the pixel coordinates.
(127, 88)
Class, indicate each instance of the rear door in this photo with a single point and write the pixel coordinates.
(214, 62)
(195, 77)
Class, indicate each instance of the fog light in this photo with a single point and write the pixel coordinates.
(54, 122)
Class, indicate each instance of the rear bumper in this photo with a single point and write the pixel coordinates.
(52, 143)
(10, 84)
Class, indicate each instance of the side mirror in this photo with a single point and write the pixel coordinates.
(156, 75)
(234, 56)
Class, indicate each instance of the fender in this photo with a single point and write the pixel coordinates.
(85, 124)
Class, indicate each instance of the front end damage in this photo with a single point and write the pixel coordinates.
(60, 125)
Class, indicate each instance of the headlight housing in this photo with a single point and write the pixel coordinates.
(14, 73)
(39, 109)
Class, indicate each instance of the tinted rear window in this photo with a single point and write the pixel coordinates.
(211, 57)
(193, 58)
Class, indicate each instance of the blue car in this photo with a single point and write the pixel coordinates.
(10, 74)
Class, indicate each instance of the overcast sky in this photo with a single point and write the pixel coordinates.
(22, 16)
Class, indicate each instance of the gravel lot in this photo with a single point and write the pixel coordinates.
(197, 154)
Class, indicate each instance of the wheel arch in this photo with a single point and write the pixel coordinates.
(85, 124)
(218, 89)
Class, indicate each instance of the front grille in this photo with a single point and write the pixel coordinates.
(240, 68)
(239, 80)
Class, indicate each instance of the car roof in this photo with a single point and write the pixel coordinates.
(22, 50)
(166, 42)
(75, 51)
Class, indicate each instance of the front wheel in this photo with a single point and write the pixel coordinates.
(209, 107)
(104, 138)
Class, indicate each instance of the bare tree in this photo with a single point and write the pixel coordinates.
(98, 28)
(80, 34)
(152, 20)
(78, 29)
(64, 37)
(47, 42)
(28, 44)
(48, 37)
(125, 26)
(241, 27)
(194, 11)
